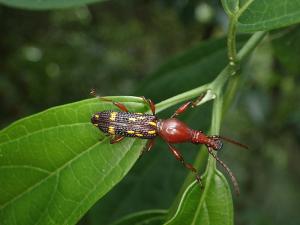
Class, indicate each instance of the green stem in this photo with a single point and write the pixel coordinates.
(251, 44)
(243, 8)
(231, 42)
(185, 96)
(253, 41)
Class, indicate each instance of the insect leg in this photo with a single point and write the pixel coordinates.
(148, 146)
(187, 105)
(116, 139)
(118, 104)
(189, 166)
(150, 103)
(231, 175)
(182, 109)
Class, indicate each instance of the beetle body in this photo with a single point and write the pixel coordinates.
(126, 124)
(147, 126)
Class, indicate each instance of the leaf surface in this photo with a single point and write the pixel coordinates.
(46, 4)
(55, 165)
(230, 6)
(213, 205)
(147, 217)
(269, 14)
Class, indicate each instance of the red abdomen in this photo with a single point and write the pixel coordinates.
(174, 131)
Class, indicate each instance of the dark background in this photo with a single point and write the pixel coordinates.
(49, 58)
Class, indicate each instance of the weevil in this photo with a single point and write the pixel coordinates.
(121, 124)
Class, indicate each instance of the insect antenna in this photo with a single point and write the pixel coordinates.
(233, 142)
(231, 175)
(93, 93)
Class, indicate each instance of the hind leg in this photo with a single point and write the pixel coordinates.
(189, 166)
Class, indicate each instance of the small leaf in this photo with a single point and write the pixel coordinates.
(55, 165)
(269, 14)
(213, 205)
(148, 217)
(230, 6)
(46, 4)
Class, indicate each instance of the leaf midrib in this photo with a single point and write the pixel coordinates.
(58, 170)
(42, 130)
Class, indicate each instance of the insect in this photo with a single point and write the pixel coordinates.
(121, 124)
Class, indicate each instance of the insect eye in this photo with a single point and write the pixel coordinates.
(95, 119)
(218, 144)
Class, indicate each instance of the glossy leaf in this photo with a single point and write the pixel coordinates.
(230, 6)
(148, 217)
(212, 205)
(269, 14)
(55, 165)
(46, 4)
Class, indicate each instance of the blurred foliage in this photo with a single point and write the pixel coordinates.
(53, 57)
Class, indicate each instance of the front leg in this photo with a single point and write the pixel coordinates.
(187, 105)
(150, 103)
(118, 104)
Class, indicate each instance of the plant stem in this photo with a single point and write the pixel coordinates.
(231, 43)
(185, 96)
(250, 45)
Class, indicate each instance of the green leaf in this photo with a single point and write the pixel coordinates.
(213, 205)
(230, 6)
(55, 165)
(147, 217)
(269, 14)
(46, 4)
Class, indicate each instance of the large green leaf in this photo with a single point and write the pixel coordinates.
(269, 14)
(213, 205)
(147, 217)
(46, 4)
(55, 165)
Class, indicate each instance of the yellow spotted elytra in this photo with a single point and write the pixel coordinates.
(126, 124)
